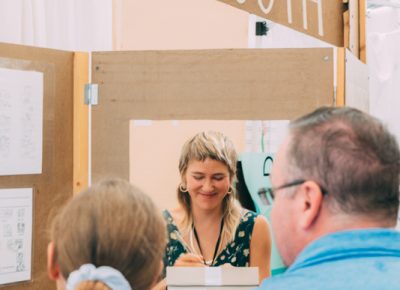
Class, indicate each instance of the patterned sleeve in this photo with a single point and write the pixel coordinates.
(174, 247)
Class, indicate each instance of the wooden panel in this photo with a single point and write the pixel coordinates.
(363, 43)
(81, 77)
(346, 32)
(322, 19)
(341, 76)
(204, 84)
(54, 186)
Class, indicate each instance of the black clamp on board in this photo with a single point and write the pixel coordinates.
(261, 28)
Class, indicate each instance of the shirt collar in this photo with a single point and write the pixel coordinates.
(344, 244)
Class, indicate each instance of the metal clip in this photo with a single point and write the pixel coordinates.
(91, 94)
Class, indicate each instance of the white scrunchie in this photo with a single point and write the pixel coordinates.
(108, 275)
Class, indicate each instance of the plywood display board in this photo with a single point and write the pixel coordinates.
(53, 186)
(202, 84)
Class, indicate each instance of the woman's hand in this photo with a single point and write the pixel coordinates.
(189, 260)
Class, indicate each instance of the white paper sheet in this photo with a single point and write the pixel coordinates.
(15, 234)
(265, 136)
(21, 122)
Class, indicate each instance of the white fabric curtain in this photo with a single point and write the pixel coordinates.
(383, 57)
(79, 25)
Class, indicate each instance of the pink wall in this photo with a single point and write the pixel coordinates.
(178, 24)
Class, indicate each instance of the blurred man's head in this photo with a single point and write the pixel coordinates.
(338, 169)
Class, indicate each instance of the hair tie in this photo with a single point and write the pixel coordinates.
(108, 275)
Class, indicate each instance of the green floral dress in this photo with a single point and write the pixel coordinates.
(236, 252)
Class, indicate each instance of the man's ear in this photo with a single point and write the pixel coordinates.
(311, 199)
(53, 270)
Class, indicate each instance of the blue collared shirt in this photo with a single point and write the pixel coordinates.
(358, 259)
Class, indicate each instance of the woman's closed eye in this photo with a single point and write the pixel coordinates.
(218, 177)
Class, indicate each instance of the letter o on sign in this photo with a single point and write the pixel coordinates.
(264, 9)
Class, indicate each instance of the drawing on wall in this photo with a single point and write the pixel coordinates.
(15, 235)
(21, 122)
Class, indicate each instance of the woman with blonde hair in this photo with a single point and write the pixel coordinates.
(110, 236)
(210, 228)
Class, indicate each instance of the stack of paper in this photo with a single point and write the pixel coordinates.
(212, 278)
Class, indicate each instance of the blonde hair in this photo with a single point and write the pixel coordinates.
(216, 146)
(111, 224)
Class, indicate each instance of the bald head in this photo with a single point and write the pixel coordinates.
(353, 156)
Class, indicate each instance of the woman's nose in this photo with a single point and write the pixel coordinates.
(208, 185)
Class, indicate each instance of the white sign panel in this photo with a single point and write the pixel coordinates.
(322, 19)
(15, 235)
(21, 122)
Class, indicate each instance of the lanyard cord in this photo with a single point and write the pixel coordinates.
(216, 246)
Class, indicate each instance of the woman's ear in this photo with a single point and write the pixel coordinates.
(183, 179)
(53, 270)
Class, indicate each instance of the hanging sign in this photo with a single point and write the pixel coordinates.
(322, 19)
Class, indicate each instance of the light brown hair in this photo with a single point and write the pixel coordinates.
(216, 146)
(111, 224)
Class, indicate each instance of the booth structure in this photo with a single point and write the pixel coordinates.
(227, 84)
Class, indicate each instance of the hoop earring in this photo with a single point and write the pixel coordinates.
(230, 191)
(183, 189)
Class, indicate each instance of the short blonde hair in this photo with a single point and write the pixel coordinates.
(111, 224)
(216, 146)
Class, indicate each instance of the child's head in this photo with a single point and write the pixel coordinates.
(110, 224)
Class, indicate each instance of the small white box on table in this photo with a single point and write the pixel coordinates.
(212, 278)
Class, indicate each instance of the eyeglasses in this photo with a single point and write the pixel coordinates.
(271, 190)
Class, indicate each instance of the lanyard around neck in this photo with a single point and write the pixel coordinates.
(216, 246)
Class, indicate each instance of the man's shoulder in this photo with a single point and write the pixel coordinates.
(348, 273)
(334, 282)
(283, 282)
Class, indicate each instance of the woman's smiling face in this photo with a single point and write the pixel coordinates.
(207, 182)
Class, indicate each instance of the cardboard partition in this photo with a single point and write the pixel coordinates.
(53, 186)
(354, 27)
(357, 83)
(271, 84)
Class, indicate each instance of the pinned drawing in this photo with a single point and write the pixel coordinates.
(15, 235)
(21, 122)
